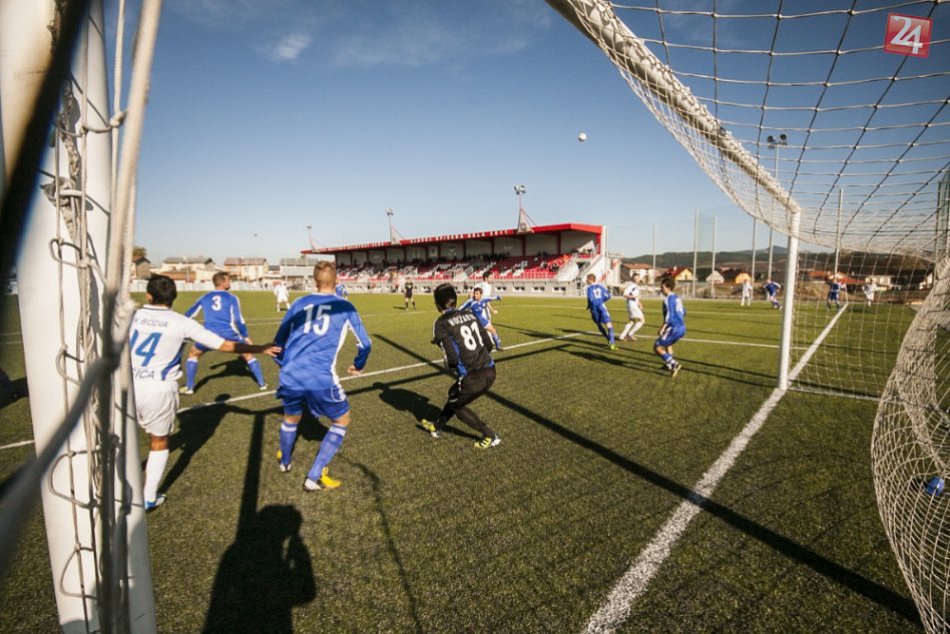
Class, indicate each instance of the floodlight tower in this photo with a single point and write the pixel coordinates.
(394, 236)
(774, 144)
(524, 220)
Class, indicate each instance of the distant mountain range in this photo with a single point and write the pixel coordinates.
(724, 259)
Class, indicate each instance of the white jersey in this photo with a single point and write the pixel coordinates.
(632, 295)
(156, 339)
(280, 291)
(486, 289)
(747, 289)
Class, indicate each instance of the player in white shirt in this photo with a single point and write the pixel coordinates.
(634, 309)
(156, 340)
(746, 299)
(282, 295)
(486, 287)
(869, 289)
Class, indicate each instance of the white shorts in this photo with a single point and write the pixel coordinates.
(635, 313)
(155, 405)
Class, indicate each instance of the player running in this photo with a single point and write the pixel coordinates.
(597, 294)
(464, 342)
(282, 295)
(833, 291)
(746, 298)
(222, 316)
(870, 288)
(479, 305)
(634, 309)
(311, 335)
(155, 342)
(772, 289)
(673, 328)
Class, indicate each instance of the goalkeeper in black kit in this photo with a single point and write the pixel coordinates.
(467, 348)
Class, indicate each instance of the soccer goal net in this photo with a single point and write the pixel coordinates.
(828, 122)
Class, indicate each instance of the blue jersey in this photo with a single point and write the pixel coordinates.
(311, 335)
(772, 288)
(480, 308)
(597, 294)
(340, 291)
(834, 290)
(673, 312)
(222, 314)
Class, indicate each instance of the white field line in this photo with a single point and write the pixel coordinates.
(614, 612)
(365, 375)
(17, 444)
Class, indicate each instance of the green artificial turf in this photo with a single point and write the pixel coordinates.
(599, 449)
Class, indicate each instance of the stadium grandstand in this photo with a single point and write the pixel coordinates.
(551, 259)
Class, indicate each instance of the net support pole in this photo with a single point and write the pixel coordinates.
(788, 310)
(695, 251)
(755, 224)
(712, 281)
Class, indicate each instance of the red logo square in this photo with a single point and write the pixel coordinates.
(907, 35)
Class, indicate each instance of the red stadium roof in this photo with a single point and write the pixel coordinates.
(479, 235)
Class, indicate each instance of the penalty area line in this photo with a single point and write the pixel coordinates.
(616, 609)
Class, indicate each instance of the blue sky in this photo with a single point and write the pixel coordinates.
(268, 116)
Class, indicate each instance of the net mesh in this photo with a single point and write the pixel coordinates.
(725, 77)
(801, 117)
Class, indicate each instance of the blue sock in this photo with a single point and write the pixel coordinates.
(667, 358)
(191, 371)
(288, 436)
(255, 369)
(610, 335)
(328, 448)
(497, 340)
(601, 328)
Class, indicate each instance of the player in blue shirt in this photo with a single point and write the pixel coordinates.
(311, 336)
(340, 291)
(479, 305)
(674, 326)
(597, 294)
(772, 290)
(222, 316)
(833, 291)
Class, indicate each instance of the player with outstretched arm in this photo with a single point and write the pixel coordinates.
(156, 339)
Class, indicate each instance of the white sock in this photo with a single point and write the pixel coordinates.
(626, 329)
(637, 326)
(154, 469)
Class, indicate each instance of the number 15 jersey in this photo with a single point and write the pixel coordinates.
(464, 342)
(311, 335)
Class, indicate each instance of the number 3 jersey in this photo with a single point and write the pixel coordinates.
(464, 342)
(156, 339)
(311, 335)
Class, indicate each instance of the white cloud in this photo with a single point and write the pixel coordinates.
(290, 47)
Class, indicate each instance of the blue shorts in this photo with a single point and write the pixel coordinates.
(672, 336)
(600, 315)
(227, 336)
(330, 402)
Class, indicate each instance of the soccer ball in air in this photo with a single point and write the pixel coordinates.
(582, 137)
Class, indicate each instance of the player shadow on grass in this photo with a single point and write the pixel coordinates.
(10, 397)
(263, 574)
(644, 359)
(417, 405)
(232, 366)
(195, 428)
